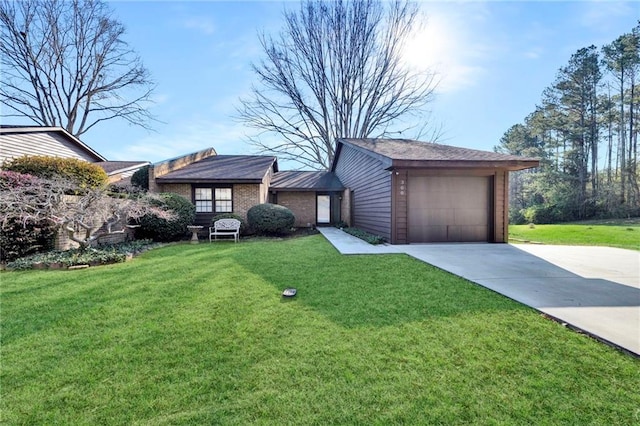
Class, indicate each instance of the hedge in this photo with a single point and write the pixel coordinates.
(270, 219)
(168, 230)
(83, 173)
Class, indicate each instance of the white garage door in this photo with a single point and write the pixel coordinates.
(448, 208)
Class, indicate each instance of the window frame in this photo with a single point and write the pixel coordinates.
(213, 200)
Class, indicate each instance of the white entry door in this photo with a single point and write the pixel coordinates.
(324, 209)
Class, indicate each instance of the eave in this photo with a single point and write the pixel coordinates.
(511, 165)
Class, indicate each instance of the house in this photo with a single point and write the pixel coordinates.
(406, 191)
(18, 141)
(121, 171)
(409, 191)
(234, 183)
(215, 183)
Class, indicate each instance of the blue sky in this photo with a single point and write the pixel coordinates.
(494, 58)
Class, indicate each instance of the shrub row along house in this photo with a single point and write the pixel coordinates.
(406, 191)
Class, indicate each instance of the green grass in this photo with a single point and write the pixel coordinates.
(199, 334)
(615, 233)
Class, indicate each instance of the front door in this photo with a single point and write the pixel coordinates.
(323, 209)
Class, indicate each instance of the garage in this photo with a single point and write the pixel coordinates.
(409, 191)
(448, 208)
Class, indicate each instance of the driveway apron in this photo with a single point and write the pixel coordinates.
(594, 289)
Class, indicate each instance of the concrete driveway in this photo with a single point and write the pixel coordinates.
(594, 289)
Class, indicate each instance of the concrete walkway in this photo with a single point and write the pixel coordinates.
(594, 289)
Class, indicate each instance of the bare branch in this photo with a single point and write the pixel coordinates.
(59, 202)
(65, 64)
(334, 71)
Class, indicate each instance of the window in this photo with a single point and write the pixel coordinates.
(224, 202)
(213, 200)
(203, 200)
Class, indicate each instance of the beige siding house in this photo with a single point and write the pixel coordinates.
(18, 141)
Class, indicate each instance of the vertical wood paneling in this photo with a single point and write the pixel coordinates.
(400, 210)
(371, 186)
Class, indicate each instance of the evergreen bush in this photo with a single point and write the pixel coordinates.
(270, 219)
(82, 173)
(141, 178)
(168, 230)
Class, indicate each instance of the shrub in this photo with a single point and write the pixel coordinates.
(244, 228)
(364, 235)
(101, 256)
(168, 230)
(19, 239)
(270, 219)
(82, 173)
(141, 178)
(543, 214)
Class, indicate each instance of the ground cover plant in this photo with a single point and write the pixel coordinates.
(101, 255)
(200, 334)
(622, 233)
(364, 235)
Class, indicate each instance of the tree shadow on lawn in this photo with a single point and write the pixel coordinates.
(356, 291)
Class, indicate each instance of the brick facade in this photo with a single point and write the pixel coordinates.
(182, 189)
(246, 196)
(302, 204)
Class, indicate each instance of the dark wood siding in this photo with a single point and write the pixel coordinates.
(501, 188)
(400, 219)
(370, 184)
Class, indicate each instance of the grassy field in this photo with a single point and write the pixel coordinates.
(612, 233)
(199, 334)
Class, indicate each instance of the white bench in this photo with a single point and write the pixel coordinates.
(225, 228)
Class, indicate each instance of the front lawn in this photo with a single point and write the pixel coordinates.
(200, 334)
(622, 234)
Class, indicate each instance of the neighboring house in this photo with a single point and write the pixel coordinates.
(121, 171)
(17, 141)
(414, 192)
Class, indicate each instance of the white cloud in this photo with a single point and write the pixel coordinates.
(226, 137)
(201, 24)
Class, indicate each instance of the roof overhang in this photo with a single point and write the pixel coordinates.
(449, 164)
(208, 181)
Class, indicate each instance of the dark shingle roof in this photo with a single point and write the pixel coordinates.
(223, 168)
(406, 151)
(306, 181)
(114, 166)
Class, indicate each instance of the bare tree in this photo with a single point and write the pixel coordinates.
(65, 63)
(336, 70)
(85, 216)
